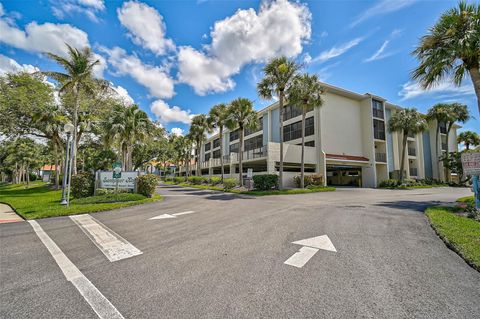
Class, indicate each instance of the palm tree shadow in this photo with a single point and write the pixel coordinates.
(411, 205)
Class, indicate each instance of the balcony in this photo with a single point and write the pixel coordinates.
(379, 135)
(381, 157)
(233, 157)
(378, 113)
(413, 171)
(412, 151)
(411, 135)
(444, 146)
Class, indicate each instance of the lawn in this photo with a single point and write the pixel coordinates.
(459, 233)
(259, 193)
(40, 201)
(466, 199)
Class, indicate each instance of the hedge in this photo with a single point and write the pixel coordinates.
(82, 185)
(265, 182)
(146, 184)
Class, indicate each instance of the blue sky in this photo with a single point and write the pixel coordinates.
(178, 58)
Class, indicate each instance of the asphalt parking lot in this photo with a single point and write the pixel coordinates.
(353, 253)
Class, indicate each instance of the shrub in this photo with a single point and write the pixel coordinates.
(82, 185)
(317, 179)
(196, 180)
(179, 179)
(389, 183)
(109, 198)
(312, 179)
(265, 182)
(229, 183)
(215, 180)
(410, 182)
(472, 211)
(146, 184)
(107, 191)
(32, 176)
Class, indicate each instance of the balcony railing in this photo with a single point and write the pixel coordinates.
(413, 171)
(378, 113)
(412, 151)
(379, 135)
(444, 146)
(233, 157)
(381, 157)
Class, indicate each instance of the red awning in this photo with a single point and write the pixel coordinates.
(344, 157)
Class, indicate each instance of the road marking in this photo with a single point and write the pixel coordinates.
(300, 258)
(101, 305)
(165, 216)
(112, 245)
(310, 247)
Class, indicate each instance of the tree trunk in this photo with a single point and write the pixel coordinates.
(447, 151)
(27, 175)
(467, 146)
(57, 171)
(197, 173)
(475, 75)
(221, 151)
(280, 170)
(75, 124)
(240, 159)
(302, 158)
(404, 147)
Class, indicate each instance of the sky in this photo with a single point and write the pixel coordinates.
(176, 59)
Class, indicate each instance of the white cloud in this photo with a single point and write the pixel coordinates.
(155, 78)
(47, 37)
(61, 8)
(177, 131)
(278, 28)
(381, 8)
(337, 50)
(167, 114)
(442, 90)
(123, 95)
(8, 65)
(379, 54)
(146, 26)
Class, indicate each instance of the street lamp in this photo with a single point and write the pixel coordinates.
(68, 129)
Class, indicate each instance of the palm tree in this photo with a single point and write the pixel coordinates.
(218, 117)
(79, 67)
(469, 138)
(198, 130)
(451, 48)
(457, 112)
(406, 121)
(306, 92)
(279, 74)
(439, 114)
(242, 115)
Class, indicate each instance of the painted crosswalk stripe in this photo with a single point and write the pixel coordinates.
(300, 258)
(101, 305)
(112, 245)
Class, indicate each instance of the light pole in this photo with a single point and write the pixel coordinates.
(68, 129)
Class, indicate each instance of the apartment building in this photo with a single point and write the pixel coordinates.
(346, 141)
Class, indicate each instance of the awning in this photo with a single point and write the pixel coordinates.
(344, 157)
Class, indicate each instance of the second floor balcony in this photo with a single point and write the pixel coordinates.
(412, 151)
(379, 135)
(381, 157)
(413, 171)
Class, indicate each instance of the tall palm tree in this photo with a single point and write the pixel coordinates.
(279, 74)
(406, 121)
(457, 112)
(306, 92)
(198, 130)
(469, 138)
(79, 67)
(129, 125)
(242, 115)
(439, 114)
(218, 117)
(451, 48)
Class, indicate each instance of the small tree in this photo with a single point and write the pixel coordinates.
(218, 118)
(405, 122)
(198, 130)
(469, 138)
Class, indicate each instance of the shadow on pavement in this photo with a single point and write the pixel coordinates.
(413, 205)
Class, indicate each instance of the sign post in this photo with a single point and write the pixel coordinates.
(471, 167)
(117, 174)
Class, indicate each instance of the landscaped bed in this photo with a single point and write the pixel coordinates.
(460, 233)
(40, 201)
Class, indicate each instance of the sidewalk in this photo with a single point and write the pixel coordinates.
(7, 215)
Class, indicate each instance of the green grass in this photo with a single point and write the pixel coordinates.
(109, 198)
(466, 199)
(40, 201)
(259, 193)
(459, 233)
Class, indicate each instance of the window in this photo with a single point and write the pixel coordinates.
(253, 143)
(216, 154)
(259, 127)
(234, 135)
(291, 111)
(378, 129)
(207, 156)
(208, 146)
(234, 148)
(216, 143)
(309, 143)
(294, 130)
(377, 108)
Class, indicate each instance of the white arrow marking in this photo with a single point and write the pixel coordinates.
(165, 216)
(310, 247)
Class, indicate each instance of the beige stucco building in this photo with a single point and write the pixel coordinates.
(346, 140)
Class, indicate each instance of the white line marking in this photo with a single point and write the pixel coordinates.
(101, 305)
(112, 245)
(184, 213)
(320, 242)
(164, 216)
(300, 258)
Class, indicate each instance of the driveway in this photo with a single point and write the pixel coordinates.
(203, 254)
